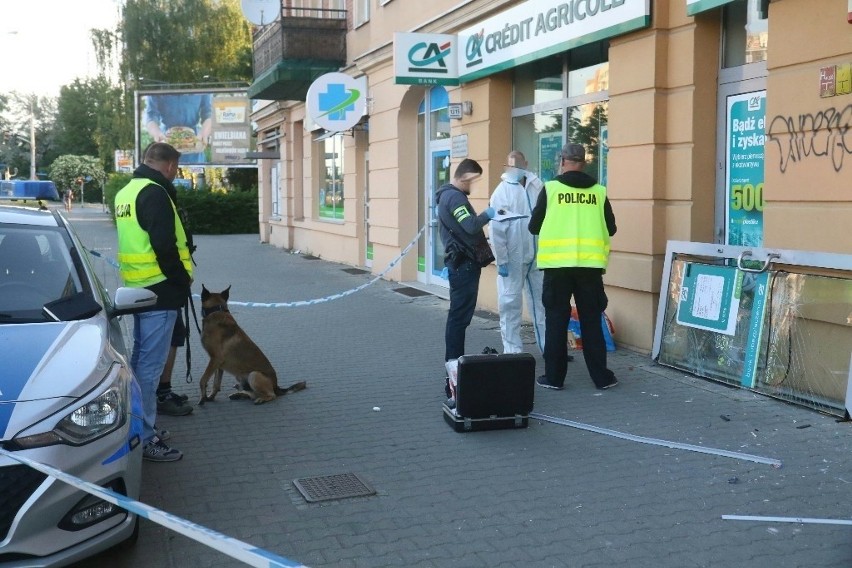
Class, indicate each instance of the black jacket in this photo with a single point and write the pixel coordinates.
(461, 227)
(580, 180)
(156, 217)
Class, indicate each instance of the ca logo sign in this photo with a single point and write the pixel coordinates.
(429, 57)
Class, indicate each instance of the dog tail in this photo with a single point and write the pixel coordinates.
(296, 387)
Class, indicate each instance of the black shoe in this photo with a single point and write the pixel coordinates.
(542, 382)
(614, 383)
(570, 358)
(489, 351)
(447, 390)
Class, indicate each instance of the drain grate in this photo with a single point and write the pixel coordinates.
(330, 487)
(411, 292)
(354, 271)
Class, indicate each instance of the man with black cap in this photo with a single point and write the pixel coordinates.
(574, 221)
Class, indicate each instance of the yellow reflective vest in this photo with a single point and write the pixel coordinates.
(136, 257)
(574, 231)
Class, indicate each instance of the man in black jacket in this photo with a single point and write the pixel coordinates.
(461, 233)
(574, 220)
(153, 253)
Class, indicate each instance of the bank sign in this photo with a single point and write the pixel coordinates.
(526, 32)
(425, 59)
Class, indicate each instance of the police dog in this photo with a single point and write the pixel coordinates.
(231, 350)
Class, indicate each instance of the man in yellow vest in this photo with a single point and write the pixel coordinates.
(574, 221)
(153, 253)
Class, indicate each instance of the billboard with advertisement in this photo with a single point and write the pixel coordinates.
(210, 127)
(124, 161)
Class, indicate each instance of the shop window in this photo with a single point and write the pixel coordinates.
(330, 190)
(539, 82)
(587, 125)
(562, 98)
(745, 33)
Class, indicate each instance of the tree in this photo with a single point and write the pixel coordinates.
(67, 170)
(89, 120)
(20, 113)
(183, 41)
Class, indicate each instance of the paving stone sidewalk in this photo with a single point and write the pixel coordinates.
(545, 496)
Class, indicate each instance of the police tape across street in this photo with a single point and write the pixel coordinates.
(234, 548)
(301, 303)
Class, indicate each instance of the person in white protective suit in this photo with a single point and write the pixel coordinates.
(515, 253)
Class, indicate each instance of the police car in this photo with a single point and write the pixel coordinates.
(68, 398)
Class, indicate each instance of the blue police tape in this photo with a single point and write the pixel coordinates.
(106, 258)
(654, 441)
(316, 301)
(234, 548)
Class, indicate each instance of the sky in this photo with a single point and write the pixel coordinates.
(46, 43)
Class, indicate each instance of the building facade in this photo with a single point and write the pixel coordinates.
(701, 128)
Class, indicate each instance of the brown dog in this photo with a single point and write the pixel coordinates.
(231, 350)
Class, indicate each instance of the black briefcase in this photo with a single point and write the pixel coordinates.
(493, 392)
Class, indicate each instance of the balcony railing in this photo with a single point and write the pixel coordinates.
(301, 34)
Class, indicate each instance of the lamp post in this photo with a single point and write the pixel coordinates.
(32, 140)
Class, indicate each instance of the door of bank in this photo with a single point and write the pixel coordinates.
(438, 173)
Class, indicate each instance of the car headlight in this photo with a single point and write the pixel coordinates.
(97, 417)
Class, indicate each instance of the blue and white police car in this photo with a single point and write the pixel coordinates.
(68, 398)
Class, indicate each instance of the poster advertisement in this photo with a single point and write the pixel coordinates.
(124, 161)
(549, 145)
(208, 128)
(746, 136)
(710, 298)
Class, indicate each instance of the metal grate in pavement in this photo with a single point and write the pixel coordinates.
(354, 271)
(411, 292)
(326, 488)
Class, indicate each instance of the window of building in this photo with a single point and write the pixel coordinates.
(330, 175)
(562, 98)
(745, 33)
(362, 11)
(439, 114)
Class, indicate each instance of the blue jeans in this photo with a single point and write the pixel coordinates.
(152, 336)
(464, 289)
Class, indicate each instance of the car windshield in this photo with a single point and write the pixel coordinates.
(36, 268)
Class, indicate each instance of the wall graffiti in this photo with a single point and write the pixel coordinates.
(825, 134)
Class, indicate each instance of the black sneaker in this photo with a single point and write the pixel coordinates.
(489, 351)
(157, 451)
(542, 382)
(614, 383)
(171, 404)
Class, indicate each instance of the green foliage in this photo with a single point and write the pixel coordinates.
(219, 213)
(18, 114)
(66, 170)
(209, 212)
(172, 41)
(112, 187)
(242, 179)
(89, 120)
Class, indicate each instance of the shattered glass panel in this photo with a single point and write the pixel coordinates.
(799, 351)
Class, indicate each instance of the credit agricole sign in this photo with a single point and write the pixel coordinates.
(526, 32)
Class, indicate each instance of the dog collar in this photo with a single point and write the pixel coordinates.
(207, 311)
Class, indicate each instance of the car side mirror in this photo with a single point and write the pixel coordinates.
(132, 300)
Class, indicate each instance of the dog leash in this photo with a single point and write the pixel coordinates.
(186, 311)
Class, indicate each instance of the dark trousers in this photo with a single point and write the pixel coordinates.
(464, 289)
(586, 286)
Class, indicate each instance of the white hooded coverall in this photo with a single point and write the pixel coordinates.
(516, 247)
